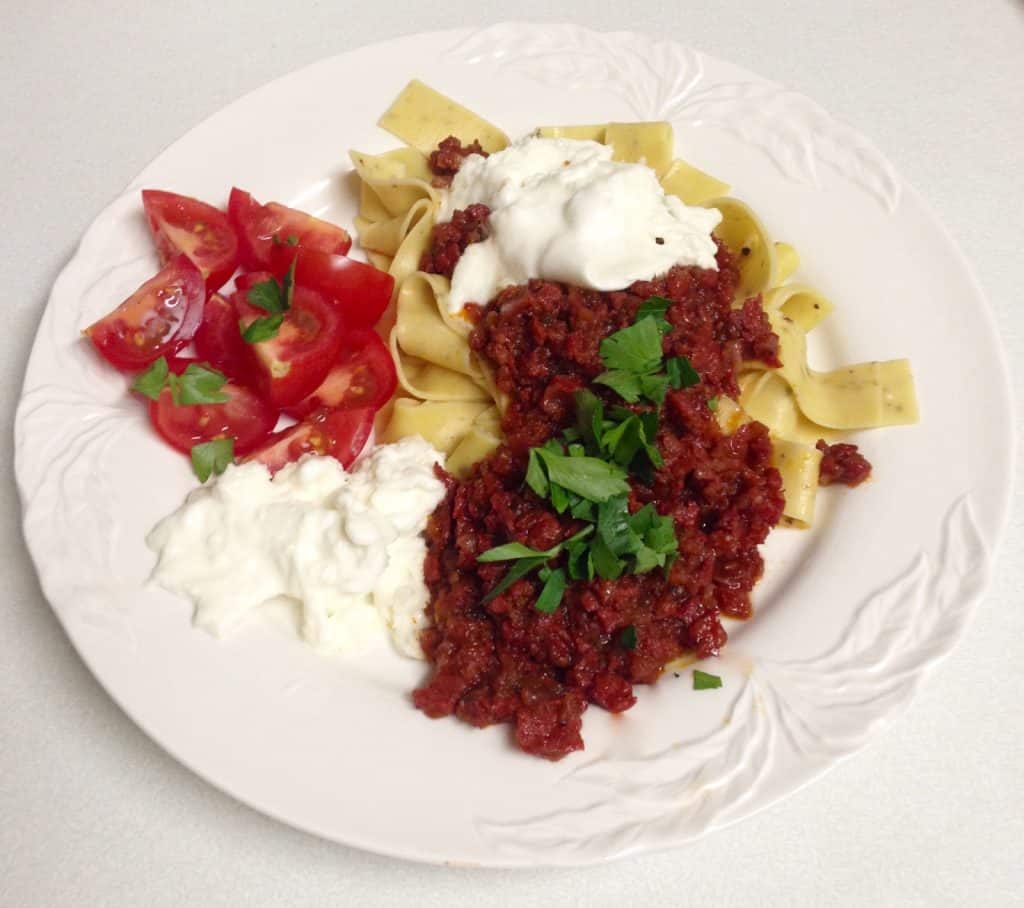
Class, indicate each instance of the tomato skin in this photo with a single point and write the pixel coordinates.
(364, 376)
(219, 341)
(261, 228)
(156, 320)
(292, 365)
(183, 225)
(362, 291)
(341, 434)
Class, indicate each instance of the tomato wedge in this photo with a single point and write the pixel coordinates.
(180, 224)
(261, 228)
(342, 434)
(362, 291)
(245, 417)
(363, 377)
(293, 363)
(157, 319)
(219, 342)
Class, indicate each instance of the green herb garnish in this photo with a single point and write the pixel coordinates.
(273, 298)
(681, 373)
(551, 595)
(634, 349)
(198, 384)
(212, 457)
(151, 382)
(704, 681)
(627, 639)
(713, 404)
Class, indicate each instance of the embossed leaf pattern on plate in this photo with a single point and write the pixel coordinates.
(817, 709)
(662, 80)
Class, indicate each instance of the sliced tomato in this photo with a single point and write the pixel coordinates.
(342, 434)
(362, 291)
(157, 319)
(219, 342)
(364, 376)
(262, 228)
(180, 224)
(245, 417)
(293, 363)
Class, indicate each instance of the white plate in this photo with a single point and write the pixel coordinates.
(849, 615)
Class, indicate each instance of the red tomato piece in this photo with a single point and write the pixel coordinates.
(261, 228)
(292, 364)
(180, 224)
(245, 417)
(219, 341)
(362, 291)
(342, 434)
(363, 377)
(157, 319)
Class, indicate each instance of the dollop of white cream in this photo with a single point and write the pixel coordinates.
(346, 548)
(563, 210)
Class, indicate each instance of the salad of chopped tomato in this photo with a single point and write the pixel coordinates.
(292, 340)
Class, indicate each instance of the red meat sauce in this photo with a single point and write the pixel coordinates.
(445, 160)
(843, 464)
(505, 662)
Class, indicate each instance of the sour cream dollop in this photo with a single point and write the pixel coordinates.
(563, 210)
(345, 547)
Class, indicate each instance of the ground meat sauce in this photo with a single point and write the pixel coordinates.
(506, 662)
(843, 464)
(449, 240)
(444, 162)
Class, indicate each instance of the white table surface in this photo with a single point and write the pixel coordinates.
(93, 813)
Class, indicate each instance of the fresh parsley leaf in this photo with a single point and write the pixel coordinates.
(654, 387)
(607, 565)
(198, 384)
(580, 562)
(662, 535)
(536, 478)
(624, 441)
(643, 520)
(559, 498)
(705, 681)
(613, 527)
(288, 283)
(681, 373)
(512, 551)
(520, 569)
(589, 417)
(588, 477)
(634, 349)
(292, 240)
(582, 509)
(626, 384)
(713, 404)
(551, 594)
(212, 457)
(266, 295)
(151, 382)
(262, 329)
(627, 639)
(655, 307)
(647, 560)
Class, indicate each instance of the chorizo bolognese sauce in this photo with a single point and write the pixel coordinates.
(503, 657)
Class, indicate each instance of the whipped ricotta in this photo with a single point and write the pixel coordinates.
(345, 547)
(563, 210)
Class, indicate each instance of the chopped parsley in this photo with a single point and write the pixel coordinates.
(211, 458)
(585, 472)
(274, 298)
(198, 384)
(705, 681)
(627, 639)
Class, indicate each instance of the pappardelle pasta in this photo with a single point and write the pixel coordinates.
(446, 392)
